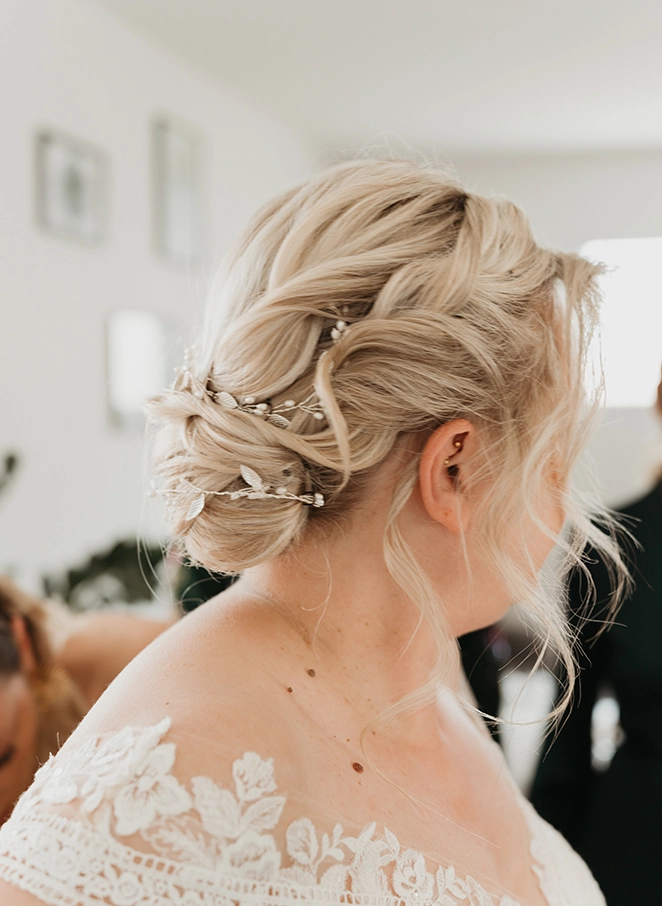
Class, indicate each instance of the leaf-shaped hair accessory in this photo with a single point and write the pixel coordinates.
(251, 478)
(196, 507)
(278, 420)
(227, 400)
(280, 414)
(256, 489)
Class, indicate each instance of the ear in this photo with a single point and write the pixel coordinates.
(443, 470)
(24, 644)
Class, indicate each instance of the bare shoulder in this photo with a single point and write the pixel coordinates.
(12, 896)
(191, 708)
(221, 675)
(100, 645)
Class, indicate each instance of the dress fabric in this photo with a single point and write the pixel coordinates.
(613, 817)
(109, 823)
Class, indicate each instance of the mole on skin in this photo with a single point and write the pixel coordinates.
(358, 767)
(311, 672)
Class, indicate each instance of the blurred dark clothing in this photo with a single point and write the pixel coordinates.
(613, 818)
(482, 670)
(195, 585)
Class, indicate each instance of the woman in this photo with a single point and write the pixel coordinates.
(53, 667)
(377, 431)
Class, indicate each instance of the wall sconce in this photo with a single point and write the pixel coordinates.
(136, 361)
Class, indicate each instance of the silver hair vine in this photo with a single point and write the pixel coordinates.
(256, 489)
(279, 415)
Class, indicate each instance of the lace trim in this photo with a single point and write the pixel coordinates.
(209, 846)
(121, 875)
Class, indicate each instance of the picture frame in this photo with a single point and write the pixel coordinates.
(177, 208)
(71, 187)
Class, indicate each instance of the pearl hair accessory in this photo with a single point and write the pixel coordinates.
(277, 415)
(273, 414)
(256, 489)
(339, 330)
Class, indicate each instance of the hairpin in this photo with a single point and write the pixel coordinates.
(256, 489)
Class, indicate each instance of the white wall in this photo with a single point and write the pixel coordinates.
(571, 199)
(68, 65)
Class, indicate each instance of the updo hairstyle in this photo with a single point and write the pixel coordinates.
(453, 311)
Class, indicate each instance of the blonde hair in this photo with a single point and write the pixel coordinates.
(454, 312)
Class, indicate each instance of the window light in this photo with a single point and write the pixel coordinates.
(631, 317)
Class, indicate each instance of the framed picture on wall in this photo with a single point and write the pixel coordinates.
(177, 160)
(71, 187)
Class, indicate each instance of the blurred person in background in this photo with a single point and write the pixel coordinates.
(53, 666)
(612, 814)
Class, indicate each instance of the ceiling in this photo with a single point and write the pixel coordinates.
(470, 75)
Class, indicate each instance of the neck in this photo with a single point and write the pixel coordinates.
(356, 622)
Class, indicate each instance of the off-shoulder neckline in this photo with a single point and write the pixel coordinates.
(125, 785)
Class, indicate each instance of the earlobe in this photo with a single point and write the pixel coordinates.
(444, 463)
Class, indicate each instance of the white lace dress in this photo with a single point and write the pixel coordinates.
(109, 823)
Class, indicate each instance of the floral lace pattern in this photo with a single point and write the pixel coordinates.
(209, 846)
